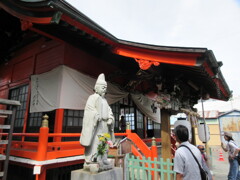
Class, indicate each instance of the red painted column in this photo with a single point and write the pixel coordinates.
(41, 176)
(58, 124)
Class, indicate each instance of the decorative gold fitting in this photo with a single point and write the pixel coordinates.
(154, 141)
(45, 121)
(128, 126)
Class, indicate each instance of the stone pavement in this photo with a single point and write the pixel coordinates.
(219, 168)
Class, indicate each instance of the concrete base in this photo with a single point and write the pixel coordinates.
(114, 174)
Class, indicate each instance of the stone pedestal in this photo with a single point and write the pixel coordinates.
(113, 174)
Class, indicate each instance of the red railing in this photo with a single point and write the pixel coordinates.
(44, 150)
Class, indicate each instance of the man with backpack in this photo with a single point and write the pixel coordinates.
(188, 161)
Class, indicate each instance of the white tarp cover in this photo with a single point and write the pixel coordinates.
(147, 106)
(66, 88)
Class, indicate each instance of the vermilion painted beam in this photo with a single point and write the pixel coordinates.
(140, 144)
(136, 152)
(147, 57)
(66, 153)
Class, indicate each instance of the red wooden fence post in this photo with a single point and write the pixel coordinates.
(43, 140)
(128, 129)
(154, 153)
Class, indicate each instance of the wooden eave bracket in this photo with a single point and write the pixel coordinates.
(146, 64)
(25, 25)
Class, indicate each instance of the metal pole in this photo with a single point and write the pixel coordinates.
(205, 130)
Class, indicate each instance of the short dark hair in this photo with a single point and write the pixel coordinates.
(182, 133)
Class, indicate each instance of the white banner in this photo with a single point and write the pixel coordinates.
(66, 88)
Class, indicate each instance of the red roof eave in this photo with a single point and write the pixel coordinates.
(147, 57)
(217, 81)
(37, 20)
(82, 27)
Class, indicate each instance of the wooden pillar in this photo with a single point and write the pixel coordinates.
(166, 135)
(145, 126)
(193, 136)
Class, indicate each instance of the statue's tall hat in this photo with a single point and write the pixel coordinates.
(101, 80)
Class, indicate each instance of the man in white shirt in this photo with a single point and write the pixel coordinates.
(184, 163)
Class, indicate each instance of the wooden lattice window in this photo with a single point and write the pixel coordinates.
(35, 119)
(19, 94)
(73, 118)
(116, 112)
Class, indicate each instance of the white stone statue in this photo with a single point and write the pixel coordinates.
(97, 120)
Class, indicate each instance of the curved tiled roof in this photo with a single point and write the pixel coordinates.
(198, 67)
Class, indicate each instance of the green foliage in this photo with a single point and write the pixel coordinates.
(103, 146)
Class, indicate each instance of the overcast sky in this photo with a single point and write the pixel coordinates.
(212, 24)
